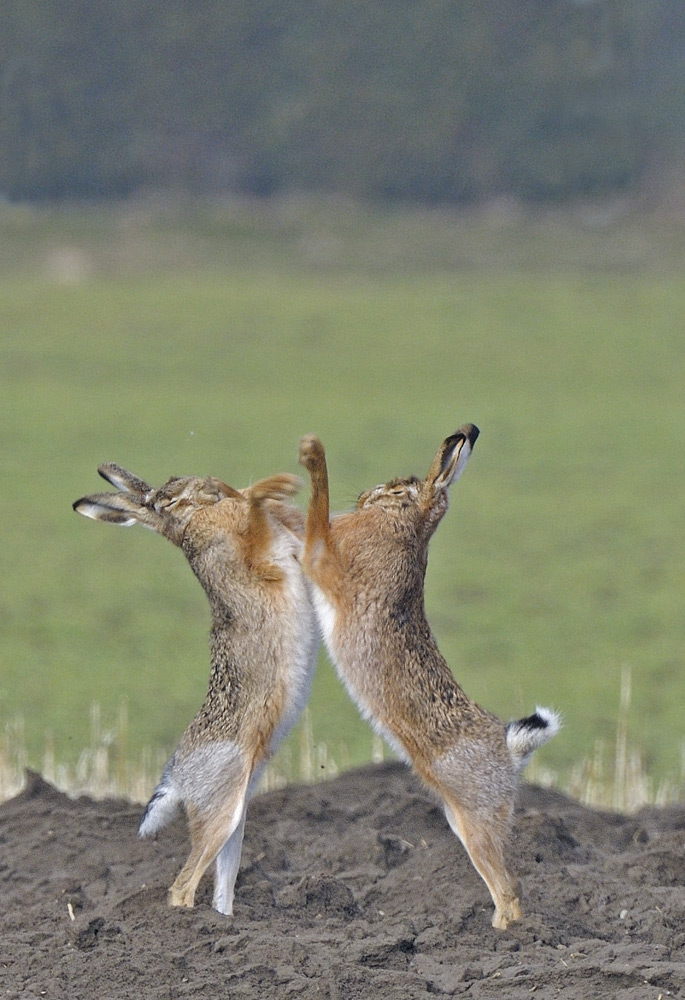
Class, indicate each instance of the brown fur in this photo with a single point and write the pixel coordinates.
(242, 545)
(368, 569)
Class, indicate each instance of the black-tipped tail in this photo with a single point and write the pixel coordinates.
(524, 736)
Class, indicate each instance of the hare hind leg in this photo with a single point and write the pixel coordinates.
(484, 837)
(227, 865)
(208, 835)
(228, 858)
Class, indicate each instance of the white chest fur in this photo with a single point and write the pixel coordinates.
(352, 667)
(326, 614)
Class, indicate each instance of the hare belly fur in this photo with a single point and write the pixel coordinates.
(327, 615)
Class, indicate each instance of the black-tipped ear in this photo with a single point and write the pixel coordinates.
(124, 480)
(99, 508)
(452, 456)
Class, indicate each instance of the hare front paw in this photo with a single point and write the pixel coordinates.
(276, 487)
(311, 452)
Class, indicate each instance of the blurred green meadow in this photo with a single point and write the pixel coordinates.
(176, 338)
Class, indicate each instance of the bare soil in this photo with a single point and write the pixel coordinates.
(354, 888)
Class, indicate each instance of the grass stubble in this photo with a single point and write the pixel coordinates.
(613, 776)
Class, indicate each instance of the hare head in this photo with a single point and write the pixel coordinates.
(166, 510)
(427, 497)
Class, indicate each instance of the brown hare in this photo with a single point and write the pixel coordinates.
(243, 546)
(368, 569)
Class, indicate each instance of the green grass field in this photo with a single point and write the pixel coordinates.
(207, 339)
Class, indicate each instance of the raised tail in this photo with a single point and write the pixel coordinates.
(524, 736)
(161, 808)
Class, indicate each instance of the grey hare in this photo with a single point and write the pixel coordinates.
(368, 569)
(243, 546)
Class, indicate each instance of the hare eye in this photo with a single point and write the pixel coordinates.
(167, 503)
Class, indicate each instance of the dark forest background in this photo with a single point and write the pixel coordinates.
(426, 100)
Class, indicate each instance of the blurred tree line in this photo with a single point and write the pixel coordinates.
(435, 100)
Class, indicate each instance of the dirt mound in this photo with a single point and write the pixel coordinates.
(350, 889)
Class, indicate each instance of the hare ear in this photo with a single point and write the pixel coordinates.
(227, 491)
(123, 479)
(451, 459)
(125, 508)
(110, 507)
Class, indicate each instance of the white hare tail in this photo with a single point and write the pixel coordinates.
(524, 736)
(161, 809)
